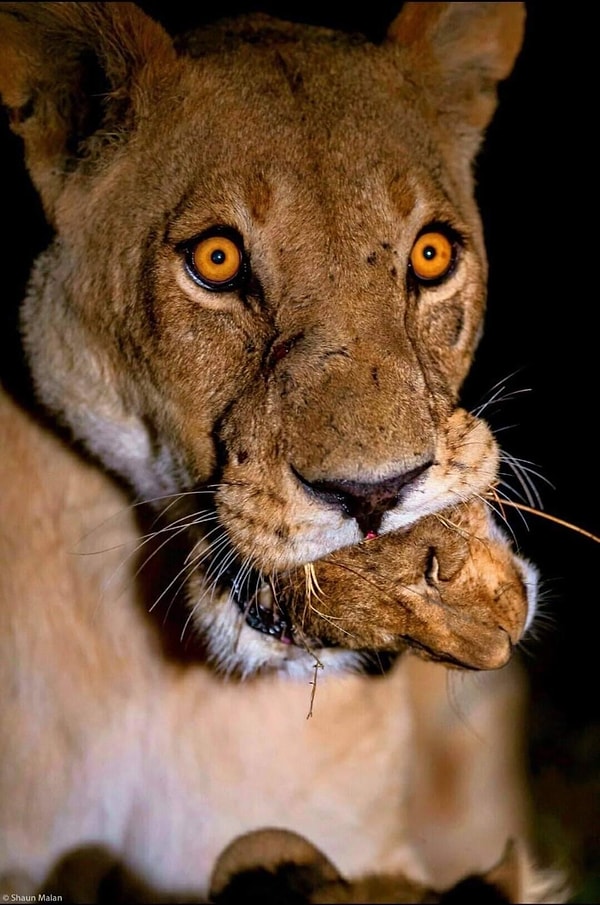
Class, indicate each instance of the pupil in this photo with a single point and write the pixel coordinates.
(429, 252)
(217, 256)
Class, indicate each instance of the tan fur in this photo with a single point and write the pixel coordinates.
(275, 863)
(449, 587)
(264, 428)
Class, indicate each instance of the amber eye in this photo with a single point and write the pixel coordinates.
(432, 256)
(216, 260)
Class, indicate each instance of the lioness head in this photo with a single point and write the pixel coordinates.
(268, 277)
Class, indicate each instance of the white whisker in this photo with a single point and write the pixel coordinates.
(218, 527)
(188, 567)
(499, 394)
(222, 566)
(525, 473)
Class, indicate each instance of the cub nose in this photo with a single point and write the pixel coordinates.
(365, 501)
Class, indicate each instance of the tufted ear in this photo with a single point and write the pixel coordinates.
(74, 76)
(460, 52)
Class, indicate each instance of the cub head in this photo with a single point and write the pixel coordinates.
(268, 275)
(276, 865)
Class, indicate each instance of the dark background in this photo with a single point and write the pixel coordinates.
(536, 181)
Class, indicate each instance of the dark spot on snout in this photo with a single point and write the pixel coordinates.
(372, 258)
(375, 376)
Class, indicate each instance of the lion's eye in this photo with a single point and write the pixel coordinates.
(216, 260)
(432, 257)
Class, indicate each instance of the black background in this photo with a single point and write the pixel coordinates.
(537, 187)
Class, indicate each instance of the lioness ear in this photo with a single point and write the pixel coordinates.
(72, 71)
(460, 51)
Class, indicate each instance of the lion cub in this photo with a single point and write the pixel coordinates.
(278, 867)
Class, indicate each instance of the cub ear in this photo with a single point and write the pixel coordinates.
(270, 865)
(460, 52)
(73, 71)
(506, 874)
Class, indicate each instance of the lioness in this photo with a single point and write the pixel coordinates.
(248, 338)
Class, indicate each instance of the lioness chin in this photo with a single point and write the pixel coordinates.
(264, 292)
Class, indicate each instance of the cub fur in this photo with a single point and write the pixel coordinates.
(450, 587)
(278, 867)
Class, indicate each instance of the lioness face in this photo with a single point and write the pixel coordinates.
(268, 283)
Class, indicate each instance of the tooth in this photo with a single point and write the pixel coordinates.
(264, 597)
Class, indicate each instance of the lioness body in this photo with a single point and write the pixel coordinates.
(302, 403)
(109, 742)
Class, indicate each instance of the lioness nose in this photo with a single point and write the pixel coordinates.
(367, 502)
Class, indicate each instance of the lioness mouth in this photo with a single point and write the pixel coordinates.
(260, 609)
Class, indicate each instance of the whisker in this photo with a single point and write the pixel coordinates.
(551, 518)
(180, 524)
(222, 566)
(173, 531)
(332, 620)
(211, 586)
(242, 577)
(258, 581)
(310, 586)
(188, 521)
(467, 535)
(191, 614)
(213, 548)
(499, 497)
(499, 393)
(188, 567)
(524, 475)
(144, 503)
(218, 527)
(237, 584)
(120, 567)
(210, 489)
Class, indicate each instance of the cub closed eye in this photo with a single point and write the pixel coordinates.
(216, 259)
(433, 256)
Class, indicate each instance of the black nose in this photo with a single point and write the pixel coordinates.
(367, 502)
